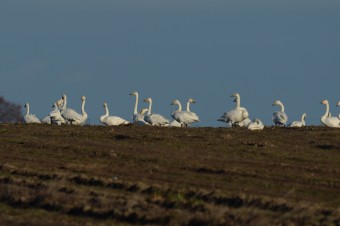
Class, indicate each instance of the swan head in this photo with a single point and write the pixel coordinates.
(257, 120)
(191, 100)
(143, 111)
(236, 95)
(105, 104)
(59, 103)
(304, 115)
(26, 105)
(148, 100)
(338, 104)
(83, 98)
(134, 94)
(64, 97)
(175, 102)
(324, 102)
(277, 102)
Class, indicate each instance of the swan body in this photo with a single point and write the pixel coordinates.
(71, 116)
(174, 123)
(279, 117)
(237, 115)
(29, 118)
(55, 114)
(137, 118)
(154, 119)
(46, 120)
(299, 123)
(111, 120)
(255, 125)
(327, 120)
(183, 117)
(244, 123)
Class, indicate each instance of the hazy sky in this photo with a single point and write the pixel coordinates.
(172, 49)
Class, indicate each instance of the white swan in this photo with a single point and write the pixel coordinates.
(255, 125)
(111, 120)
(174, 123)
(190, 101)
(280, 117)
(327, 120)
(183, 117)
(55, 114)
(143, 111)
(46, 120)
(244, 123)
(29, 118)
(71, 116)
(137, 118)
(299, 123)
(237, 115)
(154, 119)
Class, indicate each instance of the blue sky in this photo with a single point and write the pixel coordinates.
(265, 50)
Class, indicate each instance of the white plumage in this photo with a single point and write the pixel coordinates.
(71, 116)
(111, 120)
(46, 120)
(137, 118)
(30, 118)
(299, 123)
(183, 117)
(237, 115)
(55, 114)
(280, 117)
(255, 125)
(155, 119)
(327, 120)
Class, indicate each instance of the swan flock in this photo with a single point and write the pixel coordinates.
(235, 117)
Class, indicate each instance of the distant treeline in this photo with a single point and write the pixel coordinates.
(10, 112)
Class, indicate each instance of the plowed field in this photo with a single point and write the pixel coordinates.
(131, 175)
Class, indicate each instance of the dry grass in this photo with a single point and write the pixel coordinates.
(95, 175)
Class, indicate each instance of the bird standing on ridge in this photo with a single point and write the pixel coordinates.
(280, 118)
(183, 117)
(255, 125)
(29, 118)
(55, 114)
(111, 120)
(237, 115)
(71, 116)
(137, 118)
(299, 123)
(327, 120)
(154, 119)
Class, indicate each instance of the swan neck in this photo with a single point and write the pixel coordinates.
(27, 109)
(150, 107)
(65, 103)
(238, 102)
(106, 111)
(327, 111)
(180, 106)
(303, 118)
(282, 107)
(83, 108)
(135, 111)
(188, 106)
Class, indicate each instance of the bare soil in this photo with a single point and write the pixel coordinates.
(131, 175)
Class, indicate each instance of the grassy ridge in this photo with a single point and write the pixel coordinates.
(176, 176)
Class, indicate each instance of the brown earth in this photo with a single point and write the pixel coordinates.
(131, 175)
